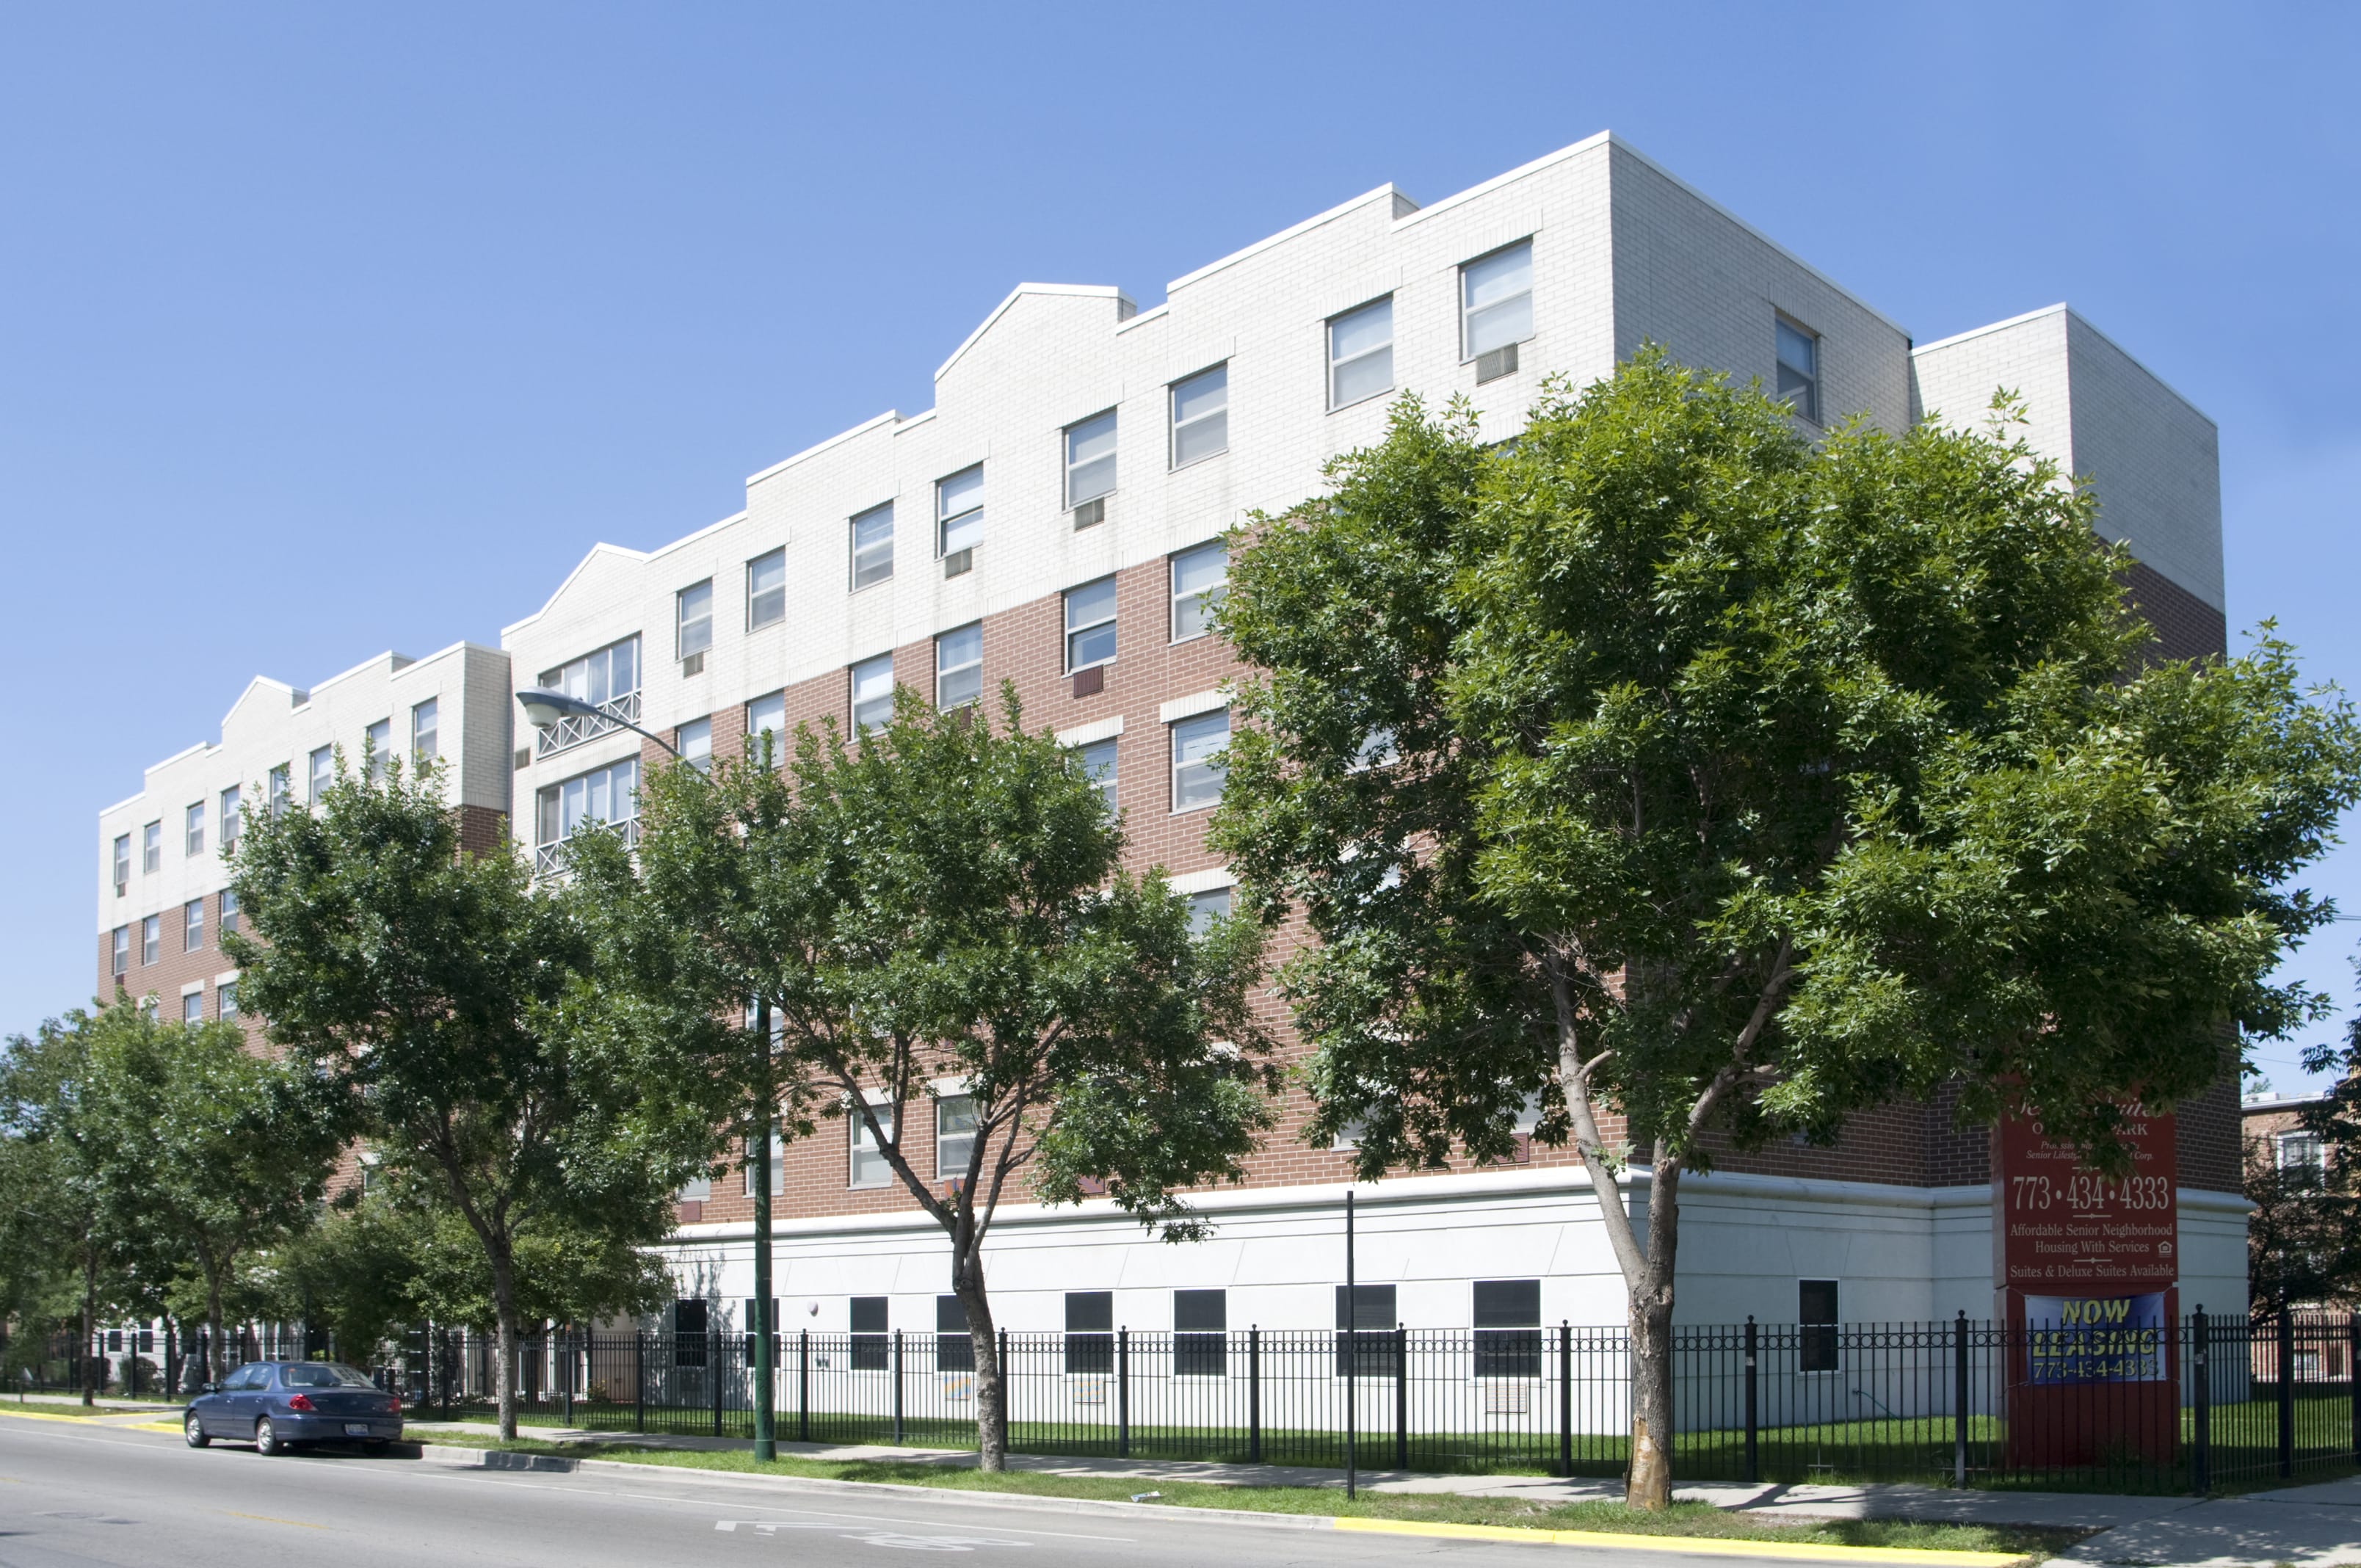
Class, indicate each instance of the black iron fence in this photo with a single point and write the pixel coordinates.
(2197, 1405)
(2194, 1405)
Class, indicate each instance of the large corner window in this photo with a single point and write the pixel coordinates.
(1200, 416)
(609, 679)
(958, 518)
(872, 546)
(959, 666)
(1496, 309)
(1361, 353)
(603, 797)
(1799, 368)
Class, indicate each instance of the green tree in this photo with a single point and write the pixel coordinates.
(1709, 784)
(941, 902)
(211, 1153)
(447, 996)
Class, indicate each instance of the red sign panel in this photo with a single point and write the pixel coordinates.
(2061, 1227)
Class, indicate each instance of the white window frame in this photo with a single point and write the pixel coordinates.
(1193, 726)
(778, 1164)
(151, 940)
(767, 715)
(376, 743)
(943, 670)
(853, 700)
(226, 916)
(1075, 630)
(692, 619)
(2299, 1143)
(192, 1007)
(321, 763)
(968, 520)
(225, 1001)
(192, 925)
(119, 950)
(1201, 419)
(1081, 476)
(861, 1144)
(1807, 378)
(1203, 596)
(1109, 750)
(1207, 905)
(587, 676)
(1469, 311)
(193, 829)
(1337, 366)
(944, 1168)
(868, 574)
(230, 821)
(122, 863)
(694, 740)
(550, 807)
(151, 848)
(758, 598)
(281, 788)
(427, 729)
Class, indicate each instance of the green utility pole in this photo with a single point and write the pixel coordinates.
(766, 1447)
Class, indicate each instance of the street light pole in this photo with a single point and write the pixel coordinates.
(543, 707)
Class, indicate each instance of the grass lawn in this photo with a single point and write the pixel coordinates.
(1683, 1519)
(57, 1407)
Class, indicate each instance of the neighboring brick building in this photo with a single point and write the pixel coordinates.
(1051, 520)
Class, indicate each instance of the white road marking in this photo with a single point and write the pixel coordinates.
(878, 1537)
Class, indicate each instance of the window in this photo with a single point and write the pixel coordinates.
(1496, 309)
(959, 512)
(1361, 353)
(870, 1165)
(192, 925)
(1090, 625)
(1090, 1331)
(228, 911)
(1098, 760)
(1089, 464)
(607, 796)
(377, 742)
(425, 744)
(1204, 909)
(152, 938)
(954, 1348)
(695, 1189)
(954, 1134)
(608, 679)
(752, 1326)
(778, 1164)
(1816, 1310)
(281, 788)
(767, 716)
(151, 848)
(873, 690)
(229, 822)
(766, 588)
(1366, 1332)
(690, 1324)
(192, 1007)
(2298, 1150)
(1197, 747)
(1200, 416)
(1799, 368)
(870, 1352)
(1508, 1328)
(147, 1010)
(1201, 1340)
(122, 863)
(192, 830)
(122, 945)
(872, 546)
(693, 617)
(959, 666)
(695, 742)
(225, 1001)
(323, 766)
(1199, 577)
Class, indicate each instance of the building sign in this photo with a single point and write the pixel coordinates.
(2064, 1228)
(2095, 1339)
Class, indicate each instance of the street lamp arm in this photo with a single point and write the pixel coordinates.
(543, 707)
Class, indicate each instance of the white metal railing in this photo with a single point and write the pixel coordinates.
(549, 859)
(572, 731)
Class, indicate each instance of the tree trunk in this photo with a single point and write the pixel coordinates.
(84, 1356)
(1649, 1482)
(991, 1384)
(504, 1305)
(213, 1367)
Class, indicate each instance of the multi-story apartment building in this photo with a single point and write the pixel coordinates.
(1054, 521)
(163, 902)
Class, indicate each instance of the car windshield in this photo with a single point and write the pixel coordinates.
(323, 1374)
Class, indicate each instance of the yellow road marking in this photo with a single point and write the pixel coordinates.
(1921, 1556)
(42, 1416)
(149, 1426)
(267, 1518)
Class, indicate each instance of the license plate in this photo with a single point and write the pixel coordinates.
(356, 1429)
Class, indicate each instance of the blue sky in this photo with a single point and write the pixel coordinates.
(330, 329)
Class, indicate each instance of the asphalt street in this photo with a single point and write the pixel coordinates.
(73, 1496)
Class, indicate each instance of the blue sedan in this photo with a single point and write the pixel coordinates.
(277, 1404)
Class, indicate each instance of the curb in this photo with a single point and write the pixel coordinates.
(1913, 1557)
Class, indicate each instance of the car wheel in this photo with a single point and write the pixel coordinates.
(266, 1438)
(193, 1429)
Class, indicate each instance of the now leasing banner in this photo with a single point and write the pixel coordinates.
(2095, 1339)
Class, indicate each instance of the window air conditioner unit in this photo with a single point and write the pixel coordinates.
(958, 561)
(1090, 682)
(1091, 513)
(524, 758)
(1500, 362)
(693, 665)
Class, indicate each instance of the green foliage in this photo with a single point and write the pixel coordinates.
(1739, 783)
